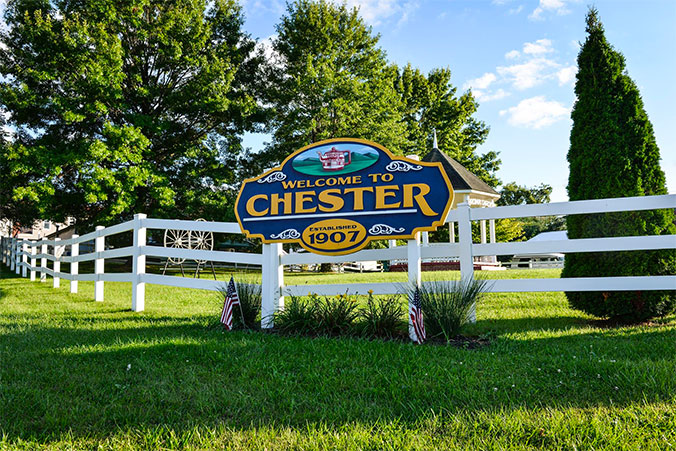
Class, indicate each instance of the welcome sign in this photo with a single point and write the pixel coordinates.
(335, 196)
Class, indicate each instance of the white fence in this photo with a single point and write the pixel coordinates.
(22, 255)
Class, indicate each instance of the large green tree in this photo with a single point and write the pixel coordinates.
(431, 103)
(613, 153)
(124, 107)
(329, 79)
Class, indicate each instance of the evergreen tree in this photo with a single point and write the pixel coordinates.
(124, 107)
(613, 153)
(430, 102)
(329, 79)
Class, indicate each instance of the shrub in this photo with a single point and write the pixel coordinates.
(336, 316)
(249, 293)
(613, 153)
(299, 316)
(383, 317)
(447, 305)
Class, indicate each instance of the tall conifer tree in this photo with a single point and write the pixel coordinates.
(613, 153)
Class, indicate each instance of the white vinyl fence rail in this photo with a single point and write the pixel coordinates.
(22, 255)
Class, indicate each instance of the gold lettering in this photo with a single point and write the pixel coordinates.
(275, 201)
(289, 184)
(331, 197)
(251, 208)
(383, 192)
(359, 196)
(419, 198)
(301, 198)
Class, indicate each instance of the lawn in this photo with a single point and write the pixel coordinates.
(76, 374)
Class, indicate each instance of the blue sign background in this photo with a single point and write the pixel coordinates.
(395, 179)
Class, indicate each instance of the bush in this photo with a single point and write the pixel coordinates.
(382, 318)
(447, 305)
(299, 316)
(613, 153)
(249, 293)
(335, 316)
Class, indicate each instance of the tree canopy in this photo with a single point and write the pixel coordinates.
(613, 153)
(126, 107)
(329, 80)
(430, 103)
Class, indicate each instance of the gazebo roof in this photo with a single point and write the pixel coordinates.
(461, 179)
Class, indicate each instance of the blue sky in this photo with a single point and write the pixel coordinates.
(519, 59)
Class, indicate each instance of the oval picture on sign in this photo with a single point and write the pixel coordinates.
(335, 159)
(333, 235)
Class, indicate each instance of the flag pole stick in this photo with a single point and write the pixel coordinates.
(241, 312)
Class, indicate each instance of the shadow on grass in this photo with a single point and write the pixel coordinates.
(96, 376)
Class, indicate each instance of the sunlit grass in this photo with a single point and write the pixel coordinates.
(77, 374)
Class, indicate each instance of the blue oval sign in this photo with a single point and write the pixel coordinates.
(335, 196)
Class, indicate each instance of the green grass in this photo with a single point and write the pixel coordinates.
(76, 374)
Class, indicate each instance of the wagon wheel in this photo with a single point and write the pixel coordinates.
(202, 241)
(179, 239)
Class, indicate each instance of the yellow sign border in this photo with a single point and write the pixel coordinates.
(435, 225)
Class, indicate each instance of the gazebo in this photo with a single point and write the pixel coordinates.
(468, 188)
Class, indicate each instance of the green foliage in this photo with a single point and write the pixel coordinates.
(382, 317)
(247, 315)
(329, 79)
(527, 228)
(335, 315)
(447, 305)
(613, 153)
(126, 107)
(430, 102)
(299, 316)
(513, 194)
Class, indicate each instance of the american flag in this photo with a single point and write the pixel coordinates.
(415, 312)
(231, 300)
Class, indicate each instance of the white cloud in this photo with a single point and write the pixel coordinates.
(538, 47)
(483, 96)
(536, 113)
(566, 75)
(482, 82)
(559, 7)
(377, 11)
(514, 54)
(516, 10)
(528, 74)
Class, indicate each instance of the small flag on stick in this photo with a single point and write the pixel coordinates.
(415, 312)
(231, 299)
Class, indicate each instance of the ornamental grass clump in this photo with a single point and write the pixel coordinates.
(249, 294)
(382, 317)
(299, 316)
(336, 316)
(447, 305)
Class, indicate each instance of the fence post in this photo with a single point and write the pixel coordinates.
(17, 266)
(138, 288)
(466, 257)
(3, 241)
(74, 265)
(99, 246)
(24, 259)
(43, 261)
(34, 250)
(272, 282)
(57, 264)
(414, 254)
(12, 256)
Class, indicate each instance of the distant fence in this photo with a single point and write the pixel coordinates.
(22, 255)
